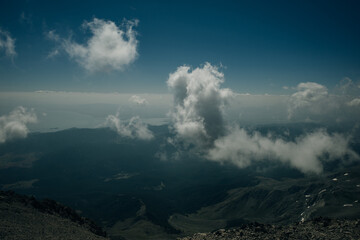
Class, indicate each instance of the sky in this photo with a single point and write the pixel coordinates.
(204, 68)
(261, 46)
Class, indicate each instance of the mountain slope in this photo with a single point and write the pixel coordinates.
(279, 201)
(24, 217)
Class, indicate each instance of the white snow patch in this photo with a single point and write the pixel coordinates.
(348, 205)
(334, 179)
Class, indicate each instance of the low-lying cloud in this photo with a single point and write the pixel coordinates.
(306, 153)
(14, 125)
(7, 44)
(134, 128)
(109, 47)
(198, 121)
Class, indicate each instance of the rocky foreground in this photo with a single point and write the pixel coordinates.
(26, 218)
(319, 229)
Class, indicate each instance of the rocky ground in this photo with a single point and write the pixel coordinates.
(319, 229)
(26, 218)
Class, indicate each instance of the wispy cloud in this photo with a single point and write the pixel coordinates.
(134, 128)
(26, 19)
(53, 54)
(138, 100)
(109, 47)
(13, 125)
(348, 88)
(7, 44)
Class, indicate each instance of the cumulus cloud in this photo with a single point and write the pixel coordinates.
(198, 120)
(13, 125)
(138, 100)
(306, 153)
(314, 102)
(199, 102)
(7, 44)
(134, 128)
(109, 47)
(311, 97)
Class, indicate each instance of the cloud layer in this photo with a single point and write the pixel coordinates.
(109, 47)
(199, 102)
(7, 44)
(134, 128)
(13, 125)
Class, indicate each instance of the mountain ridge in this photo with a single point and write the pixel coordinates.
(318, 228)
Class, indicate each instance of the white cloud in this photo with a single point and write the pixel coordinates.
(354, 103)
(313, 102)
(109, 47)
(198, 121)
(134, 128)
(310, 99)
(7, 44)
(199, 102)
(13, 125)
(306, 153)
(138, 100)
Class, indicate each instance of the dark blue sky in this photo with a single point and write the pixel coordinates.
(263, 45)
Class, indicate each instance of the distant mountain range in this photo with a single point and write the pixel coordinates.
(126, 189)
